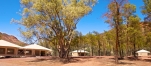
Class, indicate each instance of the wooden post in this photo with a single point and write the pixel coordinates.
(15, 51)
(45, 53)
(33, 52)
(40, 52)
(25, 52)
(5, 51)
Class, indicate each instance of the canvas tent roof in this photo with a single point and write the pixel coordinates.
(145, 51)
(80, 51)
(8, 44)
(35, 46)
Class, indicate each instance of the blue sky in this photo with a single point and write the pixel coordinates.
(89, 23)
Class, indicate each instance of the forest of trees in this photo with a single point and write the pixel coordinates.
(53, 22)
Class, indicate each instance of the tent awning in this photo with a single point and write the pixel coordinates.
(8, 44)
(35, 46)
(142, 51)
(83, 51)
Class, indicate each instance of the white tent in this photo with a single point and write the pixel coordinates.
(35, 46)
(141, 51)
(82, 51)
(8, 49)
(79, 53)
(8, 44)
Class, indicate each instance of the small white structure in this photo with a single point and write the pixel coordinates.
(35, 50)
(79, 53)
(143, 52)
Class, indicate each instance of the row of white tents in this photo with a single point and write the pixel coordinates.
(10, 49)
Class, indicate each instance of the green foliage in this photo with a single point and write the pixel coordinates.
(48, 16)
(146, 10)
(128, 9)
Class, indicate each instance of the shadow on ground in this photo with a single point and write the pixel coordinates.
(40, 59)
(127, 58)
(126, 63)
(65, 61)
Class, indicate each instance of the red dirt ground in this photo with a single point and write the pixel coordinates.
(95, 61)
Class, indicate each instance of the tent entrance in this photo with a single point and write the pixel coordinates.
(21, 52)
(39, 53)
(81, 54)
(42, 53)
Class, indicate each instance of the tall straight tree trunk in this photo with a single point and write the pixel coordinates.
(117, 33)
(120, 49)
(103, 49)
(120, 44)
(127, 46)
(121, 53)
(55, 51)
(92, 51)
(99, 48)
(134, 46)
(127, 37)
(127, 42)
(117, 43)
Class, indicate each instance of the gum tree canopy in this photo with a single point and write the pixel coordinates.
(47, 19)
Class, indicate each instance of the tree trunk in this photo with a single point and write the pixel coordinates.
(127, 37)
(134, 46)
(127, 43)
(92, 51)
(55, 49)
(117, 33)
(117, 45)
(63, 53)
(120, 46)
(99, 48)
(67, 55)
(121, 53)
(103, 49)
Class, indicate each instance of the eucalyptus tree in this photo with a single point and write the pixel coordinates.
(115, 18)
(46, 19)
